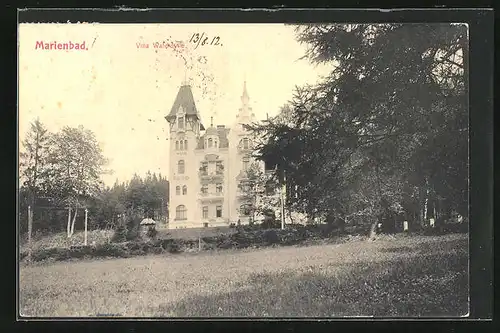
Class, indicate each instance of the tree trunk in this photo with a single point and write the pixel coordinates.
(68, 229)
(426, 204)
(342, 223)
(290, 215)
(73, 222)
(373, 231)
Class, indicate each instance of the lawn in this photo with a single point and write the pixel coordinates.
(392, 276)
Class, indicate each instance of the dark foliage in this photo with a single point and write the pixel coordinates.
(152, 232)
(120, 234)
(384, 137)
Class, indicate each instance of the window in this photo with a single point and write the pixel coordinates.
(178, 190)
(215, 143)
(181, 212)
(185, 144)
(219, 167)
(184, 190)
(204, 189)
(181, 145)
(209, 143)
(204, 168)
(246, 161)
(205, 212)
(245, 143)
(218, 211)
(218, 188)
(180, 122)
(176, 145)
(180, 167)
(205, 225)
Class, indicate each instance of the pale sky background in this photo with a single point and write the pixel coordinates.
(123, 93)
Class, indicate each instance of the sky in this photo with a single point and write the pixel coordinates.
(122, 93)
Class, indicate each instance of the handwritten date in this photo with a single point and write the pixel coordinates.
(202, 39)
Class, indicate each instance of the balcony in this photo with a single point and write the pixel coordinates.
(245, 149)
(211, 197)
(211, 177)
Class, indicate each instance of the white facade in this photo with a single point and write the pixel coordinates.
(206, 165)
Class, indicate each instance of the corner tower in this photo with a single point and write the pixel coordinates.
(184, 132)
(241, 147)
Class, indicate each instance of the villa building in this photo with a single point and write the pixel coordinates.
(207, 164)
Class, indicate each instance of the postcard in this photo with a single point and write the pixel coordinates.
(264, 170)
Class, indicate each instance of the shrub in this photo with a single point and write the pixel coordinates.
(271, 237)
(169, 245)
(133, 225)
(80, 251)
(226, 243)
(289, 237)
(157, 250)
(120, 234)
(111, 250)
(51, 253)
(211, 239)
(152, 232)
(174, 248)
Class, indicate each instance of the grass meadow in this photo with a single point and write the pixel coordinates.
(392, 276)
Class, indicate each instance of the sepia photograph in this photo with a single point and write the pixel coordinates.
(262, 170)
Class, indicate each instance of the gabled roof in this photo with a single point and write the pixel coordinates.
(186, 100)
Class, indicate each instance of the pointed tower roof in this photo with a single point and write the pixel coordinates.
(245, 114)
(185, 100)
(245, 98)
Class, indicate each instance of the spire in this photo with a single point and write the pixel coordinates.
(211, 121)
(244, 97)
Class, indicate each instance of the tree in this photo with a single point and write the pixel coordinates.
(396, 94)
(34, 159)
(77, 163)
(255, 185)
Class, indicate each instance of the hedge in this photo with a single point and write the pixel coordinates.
(245, 237)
